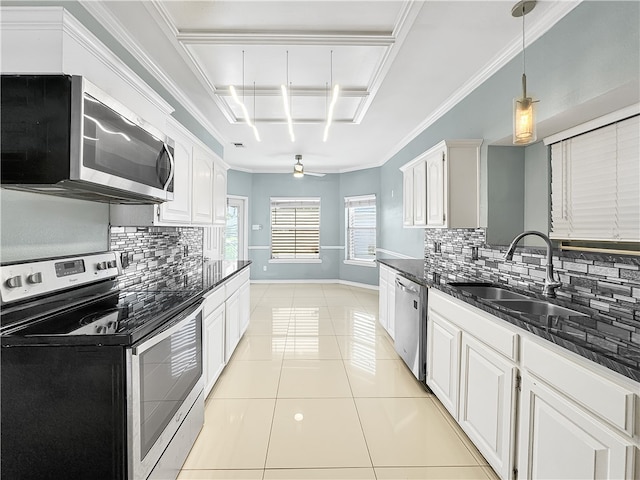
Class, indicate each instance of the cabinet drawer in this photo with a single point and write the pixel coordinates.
(477, 323)
(213, 300)
(605, 398)
(235, 282)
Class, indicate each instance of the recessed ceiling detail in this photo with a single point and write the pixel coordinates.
(362, 54)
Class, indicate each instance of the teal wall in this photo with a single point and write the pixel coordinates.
(505, 187)
(260, 187)
(537, 192)
(592, 51)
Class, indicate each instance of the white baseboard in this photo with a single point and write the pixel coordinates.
(326, 281)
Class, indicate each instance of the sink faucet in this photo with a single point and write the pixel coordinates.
(550, 283)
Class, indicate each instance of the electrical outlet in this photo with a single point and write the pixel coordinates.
(186, 250)
(474, 253)
(437, 247)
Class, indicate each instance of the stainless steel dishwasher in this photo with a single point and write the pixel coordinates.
(411, 325)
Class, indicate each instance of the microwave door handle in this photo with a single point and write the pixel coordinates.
(173, 166)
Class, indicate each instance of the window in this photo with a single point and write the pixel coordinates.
(295, 229)
(595, 177)
(360, 219)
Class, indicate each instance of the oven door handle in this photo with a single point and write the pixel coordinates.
(183, 317)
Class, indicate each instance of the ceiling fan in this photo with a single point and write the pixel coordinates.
(299, 172)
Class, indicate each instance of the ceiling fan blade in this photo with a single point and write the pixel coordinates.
(313, 174)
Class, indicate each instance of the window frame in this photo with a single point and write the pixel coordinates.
(274, 201)
(349, 258)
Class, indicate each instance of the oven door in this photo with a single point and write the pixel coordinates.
(115, 151)
(165, 381)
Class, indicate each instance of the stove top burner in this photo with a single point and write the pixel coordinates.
(99, 323)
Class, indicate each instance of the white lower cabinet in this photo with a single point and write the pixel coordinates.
(559, 441)
(245, 306)
(487, 403)
(387, 299)
(213, 351)
(232, 306)
(533, 409)
(225, 317)
(471, 369)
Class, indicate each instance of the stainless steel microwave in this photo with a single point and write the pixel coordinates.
(61, 135)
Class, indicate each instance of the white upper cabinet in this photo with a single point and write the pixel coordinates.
(219, 195)
(441, 187)
(202, 188)
(407, 197)
(179, 209)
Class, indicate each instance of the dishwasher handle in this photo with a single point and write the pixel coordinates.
(406, 288)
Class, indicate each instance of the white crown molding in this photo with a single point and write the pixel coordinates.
(554, 14)
(111, 23)
(408, 14)
(285, 38)
(163, 19)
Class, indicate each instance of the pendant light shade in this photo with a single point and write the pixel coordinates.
(524, 112)
(298, 169)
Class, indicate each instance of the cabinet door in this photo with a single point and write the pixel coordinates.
(232, 314)
(383, 289)
(420, 194)
(443, 360)
(391, 304)
(219, 195)
(487, 397)
(559, 440)
(407, 197)
(202, 205)
(179, 209)
(245, 306)
(213, 351)
(436, 190)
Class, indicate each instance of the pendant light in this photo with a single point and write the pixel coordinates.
(524, 120)
(286, 101)
(298, 169)
(242, 106)
(336, 91)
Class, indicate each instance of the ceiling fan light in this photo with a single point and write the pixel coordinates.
(298, 169)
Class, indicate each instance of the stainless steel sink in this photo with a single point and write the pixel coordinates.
(487, 291)
(537, 307)
(492, 293)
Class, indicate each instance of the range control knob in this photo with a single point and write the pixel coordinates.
(102, 265)
(35, 278)
(14, 282)
(112, 264)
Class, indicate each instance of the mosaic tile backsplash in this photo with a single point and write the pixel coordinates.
(604, 282)
(158, 256)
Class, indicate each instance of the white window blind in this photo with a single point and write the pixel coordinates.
(360, 214)
(295, 228)
(595, 184)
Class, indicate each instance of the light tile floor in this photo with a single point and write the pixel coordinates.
(315, 390)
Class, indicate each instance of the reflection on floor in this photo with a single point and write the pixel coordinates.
(315, 390)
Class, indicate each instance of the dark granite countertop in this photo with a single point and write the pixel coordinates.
(589, 337)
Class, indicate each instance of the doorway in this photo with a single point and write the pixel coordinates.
(235, 244)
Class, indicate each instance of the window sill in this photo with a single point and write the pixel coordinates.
(295, 260)
(361, 263)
